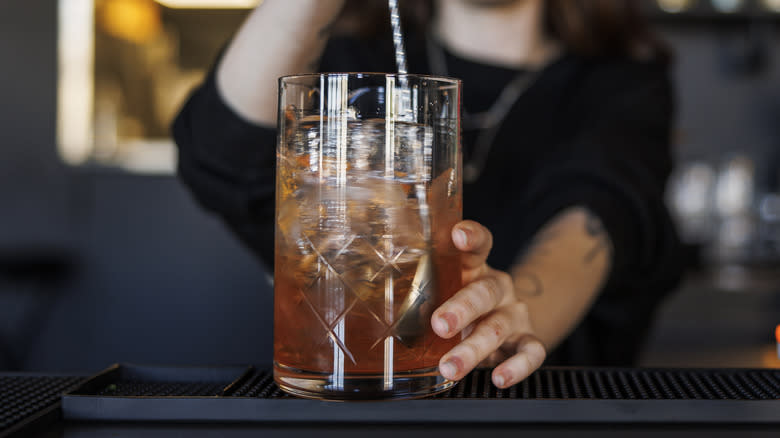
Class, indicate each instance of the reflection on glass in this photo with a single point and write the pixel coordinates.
(125, 68)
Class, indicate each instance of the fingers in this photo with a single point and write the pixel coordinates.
(470, 303)
(486, 316)
(493, 359)
(487, 337)
(474, 240)
(529, 357)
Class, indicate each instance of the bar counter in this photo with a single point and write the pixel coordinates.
(132, 400)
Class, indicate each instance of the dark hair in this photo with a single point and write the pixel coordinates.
(587, 28)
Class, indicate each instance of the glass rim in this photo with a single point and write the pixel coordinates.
(441, 79)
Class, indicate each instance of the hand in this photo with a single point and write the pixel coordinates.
(493, 322)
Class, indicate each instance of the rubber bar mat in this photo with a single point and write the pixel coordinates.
(549, 395)
(25, 399)
(591, 384)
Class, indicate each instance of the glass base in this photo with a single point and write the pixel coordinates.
(323, 386)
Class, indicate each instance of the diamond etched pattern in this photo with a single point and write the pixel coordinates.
(340, 285)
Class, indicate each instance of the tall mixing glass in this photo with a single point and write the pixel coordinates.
(368, 187)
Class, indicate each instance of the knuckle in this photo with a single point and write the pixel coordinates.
(469, 305)
(497, 328)
(490, 289)
(520, 309)
(474, 351)
(504, 279)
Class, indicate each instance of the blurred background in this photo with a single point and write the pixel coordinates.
(104, 257)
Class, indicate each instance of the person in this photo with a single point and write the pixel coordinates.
(567, 247)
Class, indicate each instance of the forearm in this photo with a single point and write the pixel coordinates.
(279, 37)
(562, 273)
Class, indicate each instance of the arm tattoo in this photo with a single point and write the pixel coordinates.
(539, 242)
(595, 229)
(538, 246)
(528, 284)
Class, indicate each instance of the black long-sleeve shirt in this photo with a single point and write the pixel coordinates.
(587, 132)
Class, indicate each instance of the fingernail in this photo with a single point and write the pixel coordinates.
(449, 321)
(498, 380)
(448, 370)
(440, 326)
(460, 237)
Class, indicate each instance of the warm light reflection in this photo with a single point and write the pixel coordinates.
(674, 5)
(137, 21)
(210, 4)
(770, 357)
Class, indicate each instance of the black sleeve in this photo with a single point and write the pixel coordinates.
(228, 164)
(616, 165)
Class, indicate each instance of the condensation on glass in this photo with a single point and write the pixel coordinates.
(368, 189)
